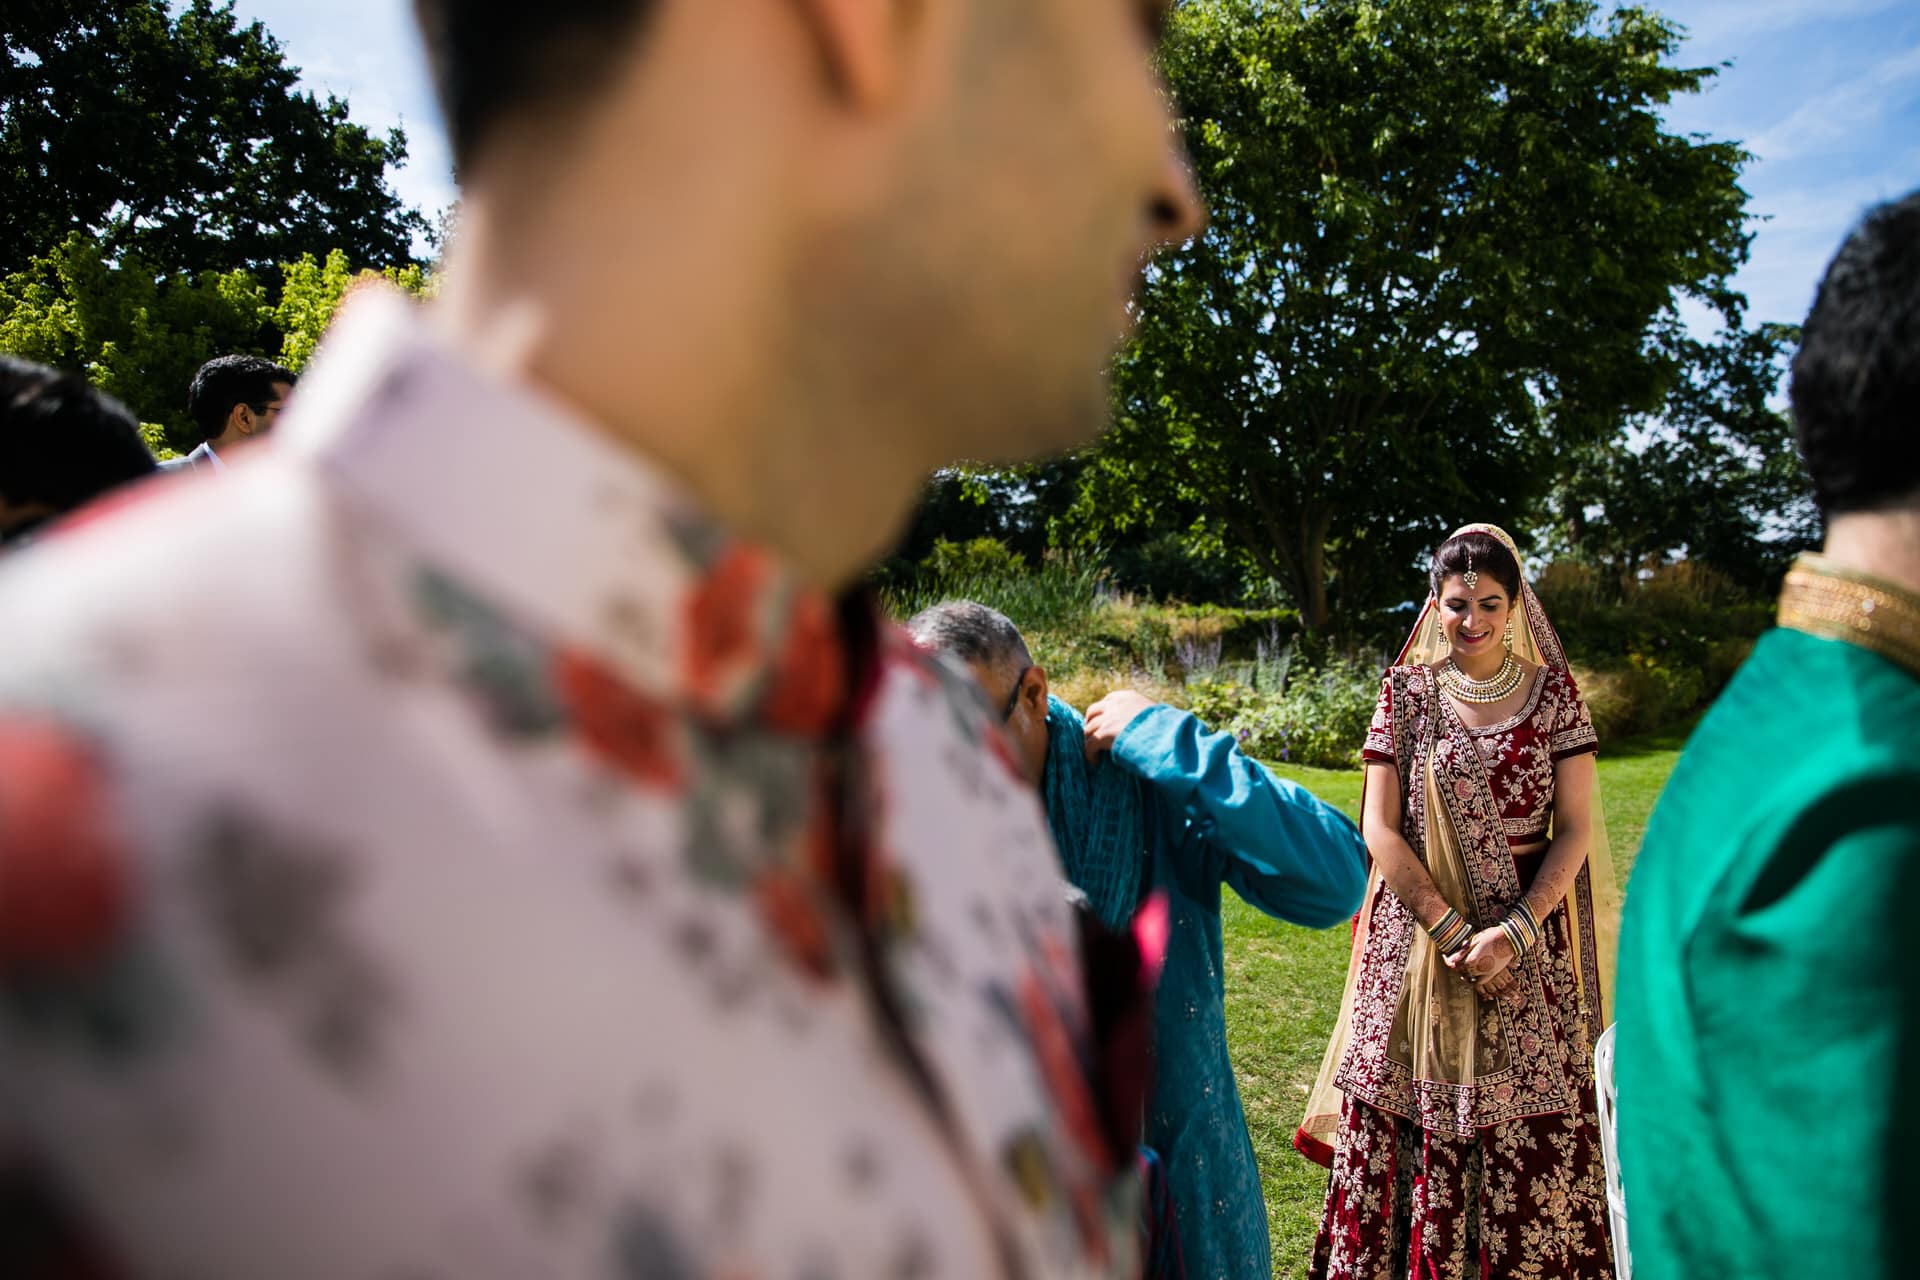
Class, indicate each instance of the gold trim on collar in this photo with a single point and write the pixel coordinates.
(1822, 599)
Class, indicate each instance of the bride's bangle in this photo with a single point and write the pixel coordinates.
(1450, 932)
(1522, 928)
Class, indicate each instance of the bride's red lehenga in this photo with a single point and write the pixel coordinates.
(1462, 1133)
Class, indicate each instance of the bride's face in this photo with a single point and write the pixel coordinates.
(1475, 621)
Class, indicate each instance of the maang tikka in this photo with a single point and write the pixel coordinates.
(1470, 577)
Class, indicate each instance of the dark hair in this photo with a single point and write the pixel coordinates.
(490, 60)
(226, 381)
(1485, 553)
(971, 632)
(1856, 377)
(63, 442)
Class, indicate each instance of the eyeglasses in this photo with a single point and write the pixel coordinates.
(1013, 698)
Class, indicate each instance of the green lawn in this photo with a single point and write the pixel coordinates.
(1283, 989)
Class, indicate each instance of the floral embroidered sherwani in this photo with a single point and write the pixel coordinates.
(432, 849)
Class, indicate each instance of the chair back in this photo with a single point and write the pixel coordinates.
(1610, 1150)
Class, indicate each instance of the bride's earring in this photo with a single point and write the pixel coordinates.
(1439, 632)
(1509, 635)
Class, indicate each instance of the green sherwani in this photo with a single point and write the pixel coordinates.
(1768, 1055)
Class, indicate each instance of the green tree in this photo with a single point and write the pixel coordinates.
(140, 336)
(1712, 477)
(1441, 232)
(310, 293)
(133, 334)
(182, 140)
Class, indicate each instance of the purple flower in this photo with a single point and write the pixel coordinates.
(1245, 734)
(1285, 754)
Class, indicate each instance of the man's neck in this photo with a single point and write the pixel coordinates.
(1885, 544)
(691, 363)
(819, 492)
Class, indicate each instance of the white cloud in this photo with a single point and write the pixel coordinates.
(1743, 19)
(1802, 228)
(1842, 111)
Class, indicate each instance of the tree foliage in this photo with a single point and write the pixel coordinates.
(1442, 233)
(140, 335)
(1712, 476)
(181, 140)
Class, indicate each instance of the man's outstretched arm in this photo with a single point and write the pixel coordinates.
(1281, 848)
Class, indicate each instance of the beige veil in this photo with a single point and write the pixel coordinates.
(1434, 1029)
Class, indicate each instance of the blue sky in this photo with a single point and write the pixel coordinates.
(1825, 93)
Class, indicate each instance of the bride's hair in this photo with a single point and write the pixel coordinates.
(1486, 554)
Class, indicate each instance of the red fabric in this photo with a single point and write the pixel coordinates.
(618, 722)
(1312, 1148)
(1527, 1198)
(809, 688)
(723, 631)
(1518, 753)
(65, 896)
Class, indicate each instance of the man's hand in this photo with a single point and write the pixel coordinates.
(1107, 717)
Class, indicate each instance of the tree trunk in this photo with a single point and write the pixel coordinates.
(1315, 520)
(1314, 614)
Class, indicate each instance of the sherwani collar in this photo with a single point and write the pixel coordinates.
(1824, 599)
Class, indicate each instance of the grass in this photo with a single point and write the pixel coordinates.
(1283, 990)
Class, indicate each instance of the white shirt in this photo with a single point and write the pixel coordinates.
(202, 456)
(445, 883)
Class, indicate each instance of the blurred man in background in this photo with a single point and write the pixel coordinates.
(233, 399)
(63, 443)
(560, 874)
(1141, 796)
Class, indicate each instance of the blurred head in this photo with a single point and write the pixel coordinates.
(1856, 377)
(927, 212)
(235, 397)
(994, 650)
(1475, 616)
(62, 444)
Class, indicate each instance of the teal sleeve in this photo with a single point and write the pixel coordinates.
(1282, 849)
(1807, 1004)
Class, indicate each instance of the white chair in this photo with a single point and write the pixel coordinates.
(1616, 1194)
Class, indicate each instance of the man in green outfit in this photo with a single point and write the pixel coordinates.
(1768, 1059)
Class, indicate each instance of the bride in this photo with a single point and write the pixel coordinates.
(1456, 1103)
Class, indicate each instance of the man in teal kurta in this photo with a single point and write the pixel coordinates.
(1768, 1045)
(1142, 796)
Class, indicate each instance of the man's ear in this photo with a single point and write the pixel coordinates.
(866, 46)
(1034, 690)
(239, 418)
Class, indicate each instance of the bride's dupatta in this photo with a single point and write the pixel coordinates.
(1413, 1038)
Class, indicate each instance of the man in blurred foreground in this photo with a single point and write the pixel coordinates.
(558, 875)
(1768, 1056)
(1142, 797)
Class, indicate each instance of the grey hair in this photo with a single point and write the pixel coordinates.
(972, 632)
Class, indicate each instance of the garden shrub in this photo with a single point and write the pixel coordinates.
(972, 559)
(1645, 657)
(1320, 718)
(1055, 595)
(1725, 658)
(1656, 650)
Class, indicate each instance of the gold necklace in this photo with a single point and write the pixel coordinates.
(1822, 599)
(1495, 687)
